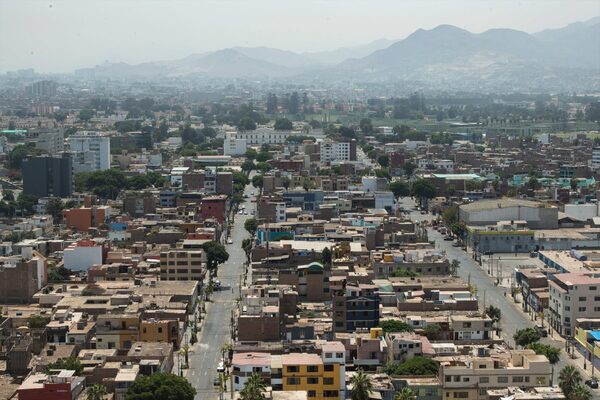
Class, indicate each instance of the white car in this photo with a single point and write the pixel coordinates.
(245, 212)
(221, 367)
(229, 241)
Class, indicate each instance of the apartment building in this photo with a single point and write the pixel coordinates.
(182, 265)
(90, 151)
(572, 296)
(260, 136)
(471, 376)
(20, 278)
(403, 346)
(244, 365)
(337, 151)
(465, 327)
(117, 331)
(354, 306)
(48, 176)
(232, 146)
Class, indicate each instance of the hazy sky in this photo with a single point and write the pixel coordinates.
(60, 35)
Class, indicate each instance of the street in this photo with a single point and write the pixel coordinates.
(215, 331)
(488, 294)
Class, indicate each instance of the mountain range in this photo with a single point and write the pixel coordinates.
(443, 56)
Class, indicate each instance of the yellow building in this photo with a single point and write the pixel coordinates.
(322, 377)
(589, 339)
(164, 331)
(117, 331)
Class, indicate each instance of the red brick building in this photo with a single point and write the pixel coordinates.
(214, 207)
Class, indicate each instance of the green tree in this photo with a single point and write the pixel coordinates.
(251, 225)
(263, 156)
(248, 166)
(383, 160)
(450, 215)
(215, 254)
(326, 256)
(54, 207)
(399, 188)
(86, 114)
(96, 392)
(294, 103)
(432, 331)
(15, 157)
(494, 313)
(254, 388)
(8, 195)
(37, 321)
(423, 190)
(581, 393)
(526, 336)
(283, 124)
(246, 124)
(366, 126)
(257, 181)
(361, 386)
(26, 203)
(394, 325)
(405, 394)
(263, 167)
(58, 274)
(568, 379)
(552, 353)
(414, 366)
(160, 386)
(247, 246)
(409, 168)
(251, 154)
(285, 182)
(69, 363)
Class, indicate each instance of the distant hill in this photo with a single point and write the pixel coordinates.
(445, 57)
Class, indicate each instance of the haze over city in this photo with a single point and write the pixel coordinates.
(60, 36)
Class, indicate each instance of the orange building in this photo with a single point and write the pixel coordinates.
(164, 331)
(84, 218)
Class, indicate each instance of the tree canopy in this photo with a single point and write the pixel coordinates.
(283, 124)
(526, 336)
(394, 325)
(414, 366)
(70, 363)
(160, 386)
(251, 225)
(215, 254)
(399, 188)
(552, 353)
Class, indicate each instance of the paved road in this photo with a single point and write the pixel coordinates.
(512, 319)
(216, 327)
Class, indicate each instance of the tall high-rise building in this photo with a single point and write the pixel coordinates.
(48, 176)
(43, 89)
(90, 151)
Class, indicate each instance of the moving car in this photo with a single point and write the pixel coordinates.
(221, 367)
(217, 284)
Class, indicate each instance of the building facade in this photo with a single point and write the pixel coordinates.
(48, 176)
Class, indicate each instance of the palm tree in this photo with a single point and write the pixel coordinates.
(361, 386)
(581, 393)
(96, 392)
(405, 394)
(254, 389)
(568, 379)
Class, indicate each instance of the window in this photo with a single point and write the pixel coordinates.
(461, 395)
(582, 309)
(159, 329)
(327, 381)
(517, 379)
(484, 379)
(312, 393)
(293, 381)
(503, 379)
(312, 368)
(292, 368)
(312, 381)
(583, 298)
(593, 288)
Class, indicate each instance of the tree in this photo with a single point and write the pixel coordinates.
(215, 254)
(365, 126)
(283, 124)
(251, 154)
(383, 160)
(254, 388)
(15, 157)
(394, 325)
(257, 181)
(405, 394)
(326, 256)
(160, 386)
(581, 393)
(246, 124)
(271, 103)
(414, 366)
(248, 166)
(54, 207)
(8, 195)
(361, 386)
(247, 246)
(552, 353)
(58, 274)
(26, 202)
(294, 103)
(96, 392)
(450, 215)
(432, 331)
(251, 225)
(494, 313)
(526, 336)
(285, 182)
(568, 379)
(70, 363)
(86, 114)
(263, 166)
(409, 168)
(37, 321)
(399, 188)
(423, 190)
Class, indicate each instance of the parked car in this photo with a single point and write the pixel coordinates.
(229, 241)
(217, 284)
(221, 367)
(448, 238)
(541, 330)
(455, 244)
(592, 383)
(217, 381)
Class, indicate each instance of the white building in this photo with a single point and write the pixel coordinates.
(91, 151)
(425, 163)
(82, 255)
(262, 136)
(232, 146)
(177, 175)
(384, 200)
(247, 364)
(596, 158)
(335, 151)
(573, 296)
